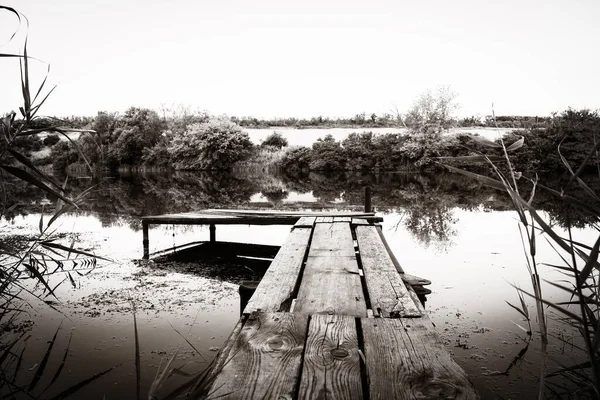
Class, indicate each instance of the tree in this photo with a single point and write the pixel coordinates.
(432, 109)
(276, 140)
(216, 144)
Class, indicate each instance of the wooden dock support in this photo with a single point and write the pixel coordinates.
(246, 290)
(368, 205)
(213, 232)
(145, 240)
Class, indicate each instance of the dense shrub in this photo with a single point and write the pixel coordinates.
(216, 144)
(275, 140)
(327, 155)
(51, 140)
(62, 155)
(359, 151)
(295, 160)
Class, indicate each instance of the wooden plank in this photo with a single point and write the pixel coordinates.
(342, 219)
(276, 289)
(331, 368)
(389, 296)
(332, 213)
(195, 219)
(360, 221)
(324, 220)
(265, 359)
(406, 360)
(305, 222)
(331, 282)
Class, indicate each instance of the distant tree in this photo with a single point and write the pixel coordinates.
(432, 109)
(276, 140)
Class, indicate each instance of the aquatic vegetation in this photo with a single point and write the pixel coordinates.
(579, 265)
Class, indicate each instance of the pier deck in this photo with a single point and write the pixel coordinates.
(333, 317)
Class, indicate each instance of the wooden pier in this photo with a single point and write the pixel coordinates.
(334, 317)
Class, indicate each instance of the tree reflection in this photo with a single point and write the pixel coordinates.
(426, 202)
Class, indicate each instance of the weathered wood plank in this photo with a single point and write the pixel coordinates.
(324, 220)
(342, 219)
(331, 283)
(331, 367)
(265, 359)
(275, 290)
(331, 213)
(360, 221)
(406, 360)
(305, 222)
(389, 296)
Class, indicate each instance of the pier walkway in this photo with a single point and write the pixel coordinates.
(334, 317)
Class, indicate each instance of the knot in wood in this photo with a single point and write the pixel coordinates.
(339, 353)
(439, 390)
(275, 343)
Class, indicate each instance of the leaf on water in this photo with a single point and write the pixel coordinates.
(521, 327)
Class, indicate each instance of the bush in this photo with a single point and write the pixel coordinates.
(327, 155)
(51, 140)
(359, 151)
(275, 140)
(295, 160)
(62, 155)
(216, 144)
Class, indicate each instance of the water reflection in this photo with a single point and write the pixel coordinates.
(425, 201)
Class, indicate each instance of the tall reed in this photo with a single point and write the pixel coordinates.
(580, 264)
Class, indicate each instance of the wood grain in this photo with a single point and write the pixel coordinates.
(331, 282)
(331, 368)
(276, 289)
(305, 222)
(406, 360)
(264, 362)
(387, 292)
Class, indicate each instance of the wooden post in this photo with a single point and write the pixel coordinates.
(145, 240)
(246, 290)
(368, 199)
(213, 230)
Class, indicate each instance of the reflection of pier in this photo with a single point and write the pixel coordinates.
(333, 317)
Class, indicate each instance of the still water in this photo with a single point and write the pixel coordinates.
(460, 235)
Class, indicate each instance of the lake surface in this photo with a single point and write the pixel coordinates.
(449, 229)
(306, 137)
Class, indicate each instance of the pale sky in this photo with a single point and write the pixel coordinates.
(308, 58)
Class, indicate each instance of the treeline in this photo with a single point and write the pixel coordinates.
(427, 148)
(140, 138)
(387, 120)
